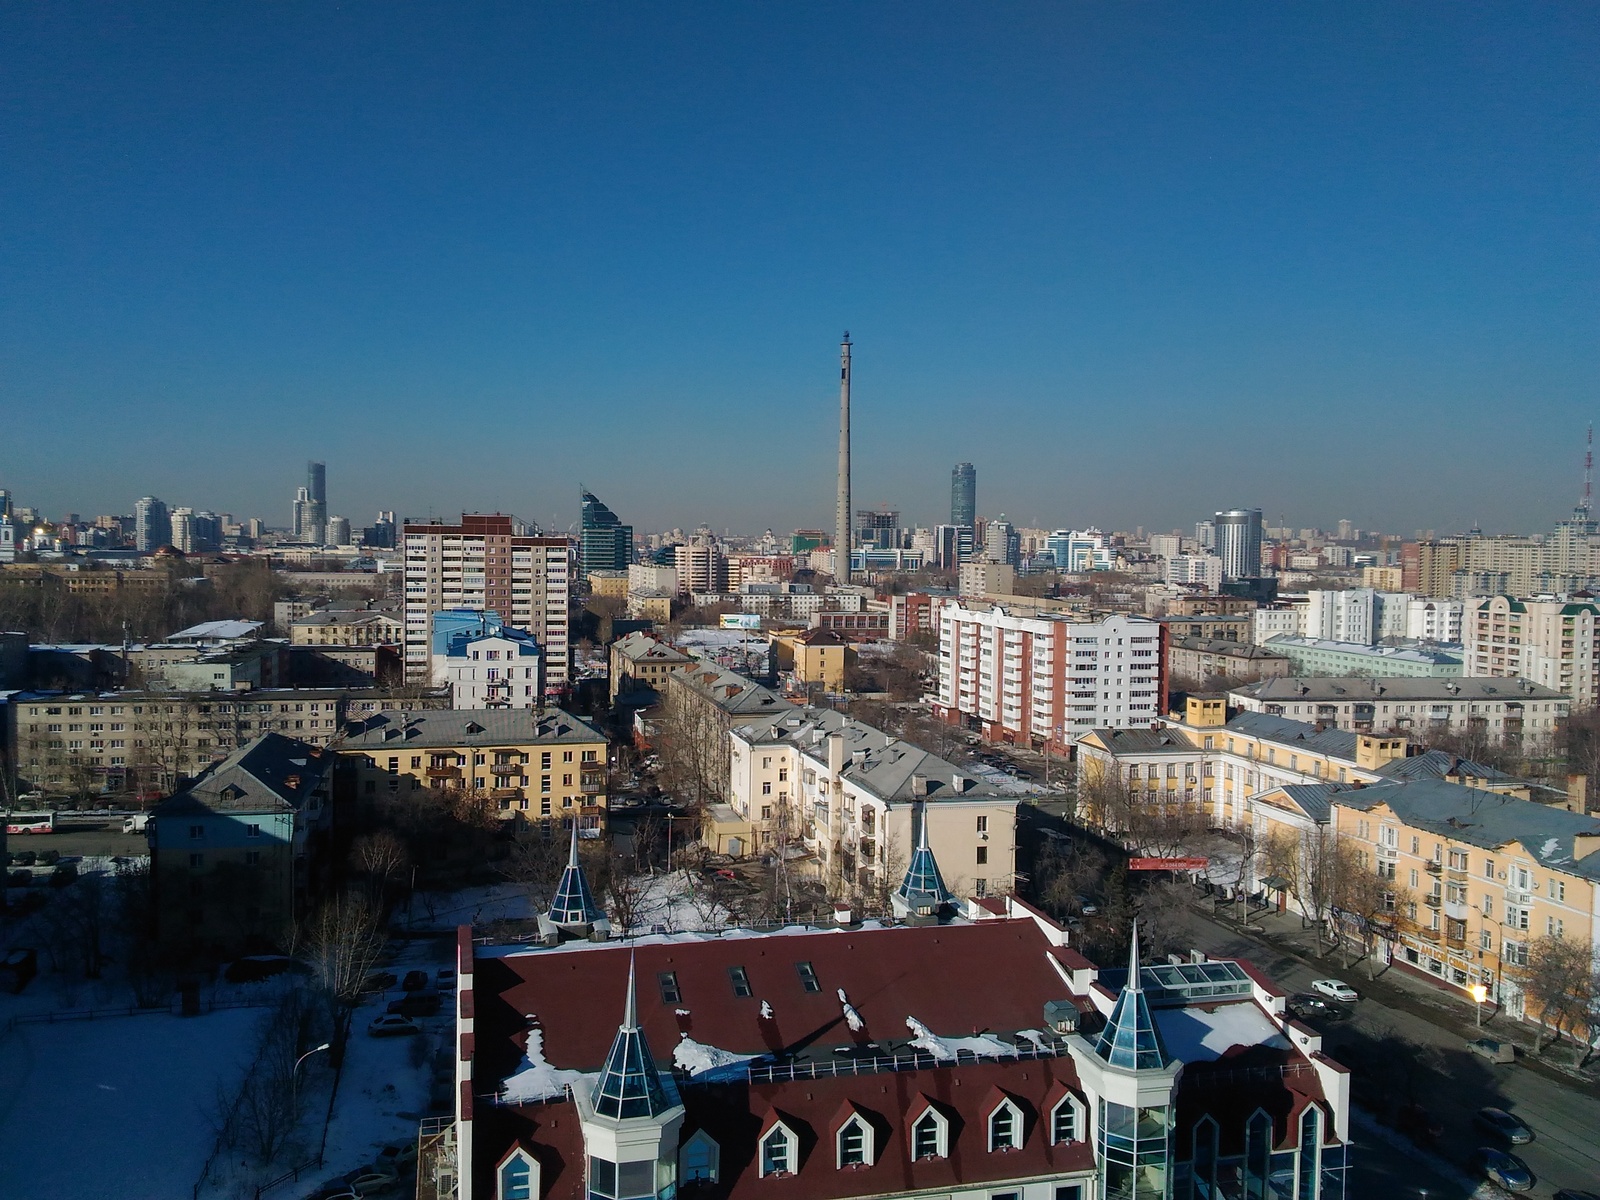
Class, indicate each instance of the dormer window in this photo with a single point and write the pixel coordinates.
(517, 1177)
(780, 1151)
(1005, 1127)
(855, 1143)
(1066, 1120)
(929, 1136)
(700, 1159)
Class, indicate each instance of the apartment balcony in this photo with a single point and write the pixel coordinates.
(1434, 901)
(593, 784)
(444, 772)
(1434, 936)
(506, 768)
(1456, 941)
(1457, 910)
(1434, 868)
(1388, 853)
(1456, 873)
(505, 793)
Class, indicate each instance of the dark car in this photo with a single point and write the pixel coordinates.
(379, 981)
(1509, 1171)
(258, 967)
(1499, 1121)
(1576, 1194)
(24, 858)
(1304, 1004)
(414, 981)
(416, 1004)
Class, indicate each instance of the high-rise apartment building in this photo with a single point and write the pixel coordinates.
(964, 495)
(604, 542)
(1238, 542)
(878, 529)
(485, 564)
(1043, 680)
(1001, 542)
(701, 565)
(154, 524)
(1545, 641)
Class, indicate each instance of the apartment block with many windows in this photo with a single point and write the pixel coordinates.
(485, 564)
(1545, 641)
(1044, 680)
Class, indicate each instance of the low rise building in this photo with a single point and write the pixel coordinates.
(1319, 657)
(1497, 707)
(366, 626)
(241, 853)
(1233, 627)
(613, 583)
(814, 656)
(540, 766)
(650, 606)
(845, 794)
(641, 661)
(1200, 659)
(702, 703)
(1277, 620)
(503, 669)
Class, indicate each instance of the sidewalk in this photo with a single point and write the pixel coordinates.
(1396, 986)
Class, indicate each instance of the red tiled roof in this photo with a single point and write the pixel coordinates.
(888, 975)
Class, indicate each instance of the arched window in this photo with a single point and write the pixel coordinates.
(1205, 1156)
(517, 1177)
(1310, 1151)
(1066, 1120)
(855, 1143)
(929, 1136)
(1257, 1152)
(780, 1151)
(1005, 1127)
(699, 1158)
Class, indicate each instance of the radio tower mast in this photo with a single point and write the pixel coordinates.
(841, 516)
(1581, 513)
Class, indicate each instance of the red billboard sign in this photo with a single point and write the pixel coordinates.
(1167, 864)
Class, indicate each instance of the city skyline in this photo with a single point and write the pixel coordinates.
(1049, 231)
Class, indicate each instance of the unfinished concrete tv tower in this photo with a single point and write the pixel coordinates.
(842, 541)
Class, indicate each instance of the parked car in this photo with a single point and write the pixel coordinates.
(392, 1025)
(379, 981)
(1418, 1124)
(49, 858)
(1086, 906)
(257, 967)
(1499, 1121)
(1509, 1171)
(334, 1189)
(416, 1004)
(370, 1180)
(1495, 1052)
(1576, 1194)
(414, 981)
(445, 977)
(1337, 988)
(398, 1155)
(24, 858)
(1304, 1004)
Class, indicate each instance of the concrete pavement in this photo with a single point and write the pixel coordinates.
(1407, 1046)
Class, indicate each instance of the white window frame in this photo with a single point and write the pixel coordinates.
(516, 1153)
(941, 1129)
(869, 1149)
(791, 1151)
(1079, 1117)
(713, 1152)
(1017, 1130)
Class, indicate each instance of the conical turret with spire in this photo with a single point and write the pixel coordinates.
(1130, 1038)
(629, 1085)
(922, 894)
(573, 909)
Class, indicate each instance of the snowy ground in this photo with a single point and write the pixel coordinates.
(676, 901)
(117, 1106)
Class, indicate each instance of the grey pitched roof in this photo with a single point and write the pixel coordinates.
(1337, 743)
(641, 647)
(1481, 818)
(1225, 646)
(883, 765)
(271, 774)
(1143, 741)
(731, 692)
(1413, 654)
(468, 727)
(1313, 799)
(1306, 689)
(1436, 764)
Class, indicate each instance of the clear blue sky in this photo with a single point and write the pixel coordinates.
(1135, 261)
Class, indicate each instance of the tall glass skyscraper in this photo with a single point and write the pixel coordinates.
(964, 495)
(1238, 542)
(604, 542)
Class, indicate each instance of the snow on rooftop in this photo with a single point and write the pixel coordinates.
(1195, 1034)
(1549, 848)
(708, 1062)
(536, 1079)
(984, 1046)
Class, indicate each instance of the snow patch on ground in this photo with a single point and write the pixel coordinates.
(1000, 781)
(984, 1046)
(467, 906)
(704, 1061)
(77, 1110)
(536, 1079)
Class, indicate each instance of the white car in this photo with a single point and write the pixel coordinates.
(1337, 988)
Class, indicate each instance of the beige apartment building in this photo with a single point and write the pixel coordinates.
(347, 627)
(1499, 708)
(641, 661)
(1476, 878)
(538, 765)
(1545, 641)
(852, 801)
(485, 564)
(144, 741)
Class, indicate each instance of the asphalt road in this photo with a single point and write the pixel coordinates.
(1399, 1052)
(83, 837)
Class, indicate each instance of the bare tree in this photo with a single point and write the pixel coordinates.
(267, 1108)
(535, 862)
(1368, 901)
(627, 897)
(1558, 979)
(1165, 918)
(342, 942)
(381, 859)
(77, 924)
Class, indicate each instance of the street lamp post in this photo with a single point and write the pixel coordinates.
(294, 1075)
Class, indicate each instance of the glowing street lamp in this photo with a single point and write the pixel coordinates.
(1479, 993)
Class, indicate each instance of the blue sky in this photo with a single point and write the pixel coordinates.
(1135, 261)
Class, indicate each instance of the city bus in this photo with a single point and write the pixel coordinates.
(31, 822)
